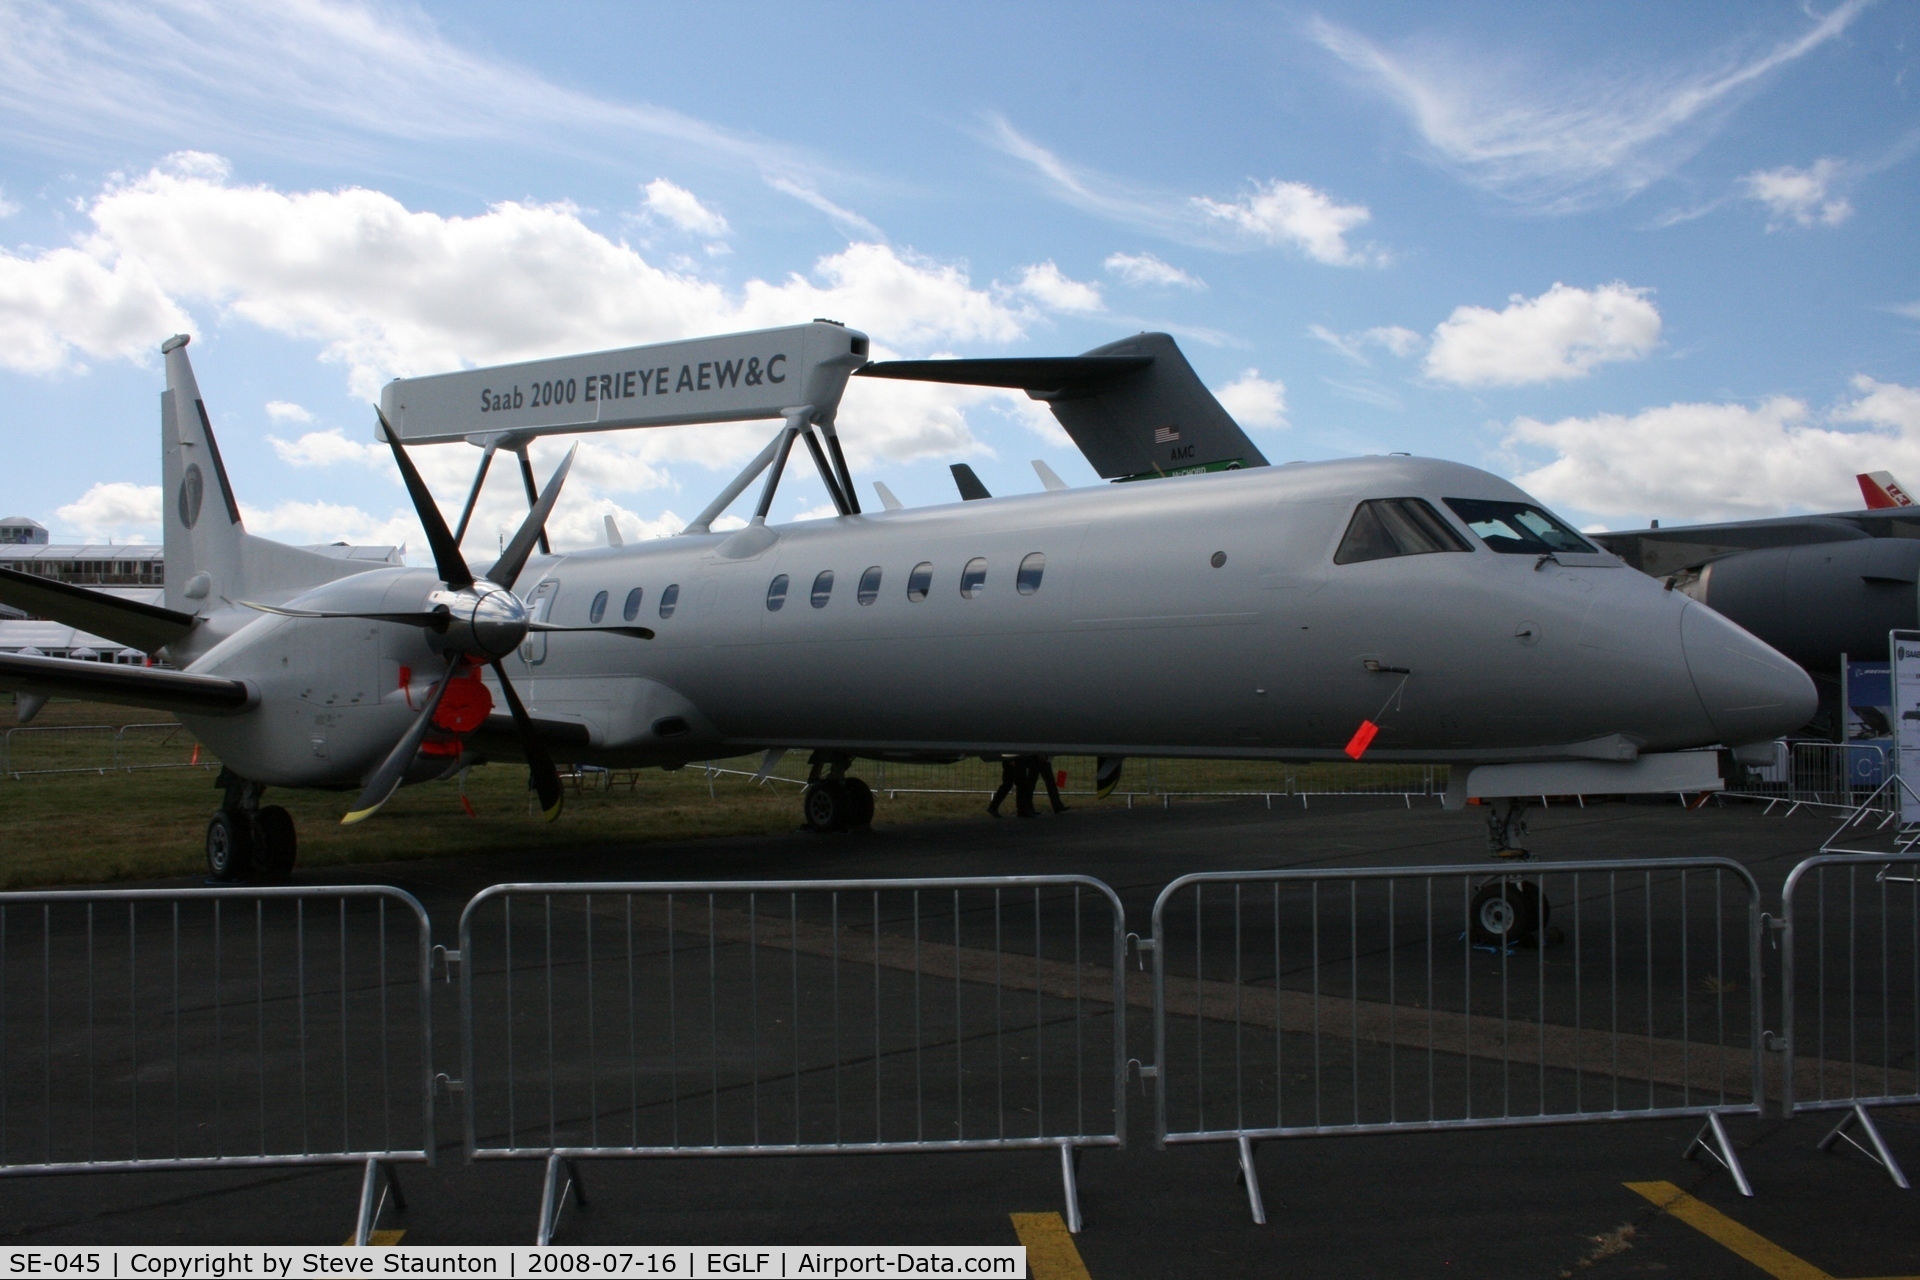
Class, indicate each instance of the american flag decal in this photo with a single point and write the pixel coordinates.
(1165, 435)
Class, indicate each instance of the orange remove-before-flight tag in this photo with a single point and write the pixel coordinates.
(1362, 739)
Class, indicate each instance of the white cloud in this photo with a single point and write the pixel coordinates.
(389, 291)
(683, 209)
(1143, 269)
(64, 301)
(7, 207)
(287, 411)
(324, 76)
(1390, 337)
(1723, 461)
(1561, 334)
(113, 510)
(1803, 196)
(1255, 401)
(1046, 285)
(1559, 139)
(1273, 213)
(1293, 213)
(325, 448)
(846, 219)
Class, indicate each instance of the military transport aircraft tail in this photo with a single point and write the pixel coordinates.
(1135, 407)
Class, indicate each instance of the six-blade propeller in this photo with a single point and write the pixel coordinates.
(473, 621)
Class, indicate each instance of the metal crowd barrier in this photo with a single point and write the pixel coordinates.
(782, 1018)
(100, 748)
(1309, 1003)
(1850, 993)
(1838, 775)
(216, 1028)
(1147, 778)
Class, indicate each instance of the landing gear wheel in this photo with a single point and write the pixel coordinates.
(230, 845)
(827, 806)
(274, 842)
(859, 803)
(1506, 913)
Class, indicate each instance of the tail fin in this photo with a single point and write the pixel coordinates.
(211, 558)
(1881, 490)
(200, 514)
(1135, 407)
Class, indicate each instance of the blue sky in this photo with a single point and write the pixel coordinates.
(1650, 260)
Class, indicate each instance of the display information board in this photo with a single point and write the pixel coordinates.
(1905, 648)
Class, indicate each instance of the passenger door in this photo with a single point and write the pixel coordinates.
(533, 650)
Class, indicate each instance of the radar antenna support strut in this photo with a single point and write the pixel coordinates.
(473, 495)
(533, 489)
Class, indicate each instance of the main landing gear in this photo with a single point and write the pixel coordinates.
(1509, 911)
(246, 840)
(833, 801)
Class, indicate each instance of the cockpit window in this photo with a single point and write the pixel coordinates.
(1517, 528)
(1386, 527)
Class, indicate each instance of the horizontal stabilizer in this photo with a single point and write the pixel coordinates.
(1049, 374)
(1135, 408)
(153, 687)
(139, 626)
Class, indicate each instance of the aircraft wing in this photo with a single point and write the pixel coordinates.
(1660, 551)
(155, 687)
(139, 626)
(1135, 408)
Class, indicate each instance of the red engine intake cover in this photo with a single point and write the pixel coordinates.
(464, 707)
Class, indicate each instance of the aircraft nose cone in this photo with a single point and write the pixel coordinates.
(1751, 691)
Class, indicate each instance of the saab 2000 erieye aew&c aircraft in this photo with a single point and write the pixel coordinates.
(1227, 609)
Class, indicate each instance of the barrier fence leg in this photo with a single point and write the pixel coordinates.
(1713, 1140)
(1249, 1176)
(379, 1178)
(1880, 1155)
(1070, 1178)
(553, 1196)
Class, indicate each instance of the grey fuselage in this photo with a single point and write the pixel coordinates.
(1134, 642)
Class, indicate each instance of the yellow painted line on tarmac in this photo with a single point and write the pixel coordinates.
(381, 1239)
(1718, 1227)
(1050, 1251)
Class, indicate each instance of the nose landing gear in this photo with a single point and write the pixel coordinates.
(1508, 912)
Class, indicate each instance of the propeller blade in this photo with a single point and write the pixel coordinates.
(514, 558)
(638, 633)
(540, 770)
(436, 620)
(447, 560)
(386, 779)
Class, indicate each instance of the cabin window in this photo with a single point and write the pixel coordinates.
(1388, 527)
(668, 599)
(776, 593)
(869, 590)
(920, 580)
(631, 609)
(822, 589)
(1518, 528)
(598, 609)
(1028, 580)
(973, 578)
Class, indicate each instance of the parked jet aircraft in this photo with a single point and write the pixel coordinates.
(1814, 587)
(1258, 612)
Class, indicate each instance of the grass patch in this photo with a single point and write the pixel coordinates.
(101, 822)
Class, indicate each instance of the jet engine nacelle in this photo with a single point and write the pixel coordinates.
(1814, 603)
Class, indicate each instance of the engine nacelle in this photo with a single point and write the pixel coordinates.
(1814, 603)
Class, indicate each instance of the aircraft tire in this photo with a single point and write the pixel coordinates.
(1506, 912)
(230, 845)
(859, 803)
(275, 843)
(826, 806)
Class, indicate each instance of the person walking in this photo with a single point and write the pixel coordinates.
(1010, 770)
